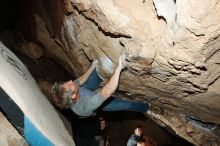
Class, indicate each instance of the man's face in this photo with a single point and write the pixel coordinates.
(73, 87)
(138, 131)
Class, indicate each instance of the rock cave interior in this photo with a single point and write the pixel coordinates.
(171, 51)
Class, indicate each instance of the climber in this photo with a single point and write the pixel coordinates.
(82, 98)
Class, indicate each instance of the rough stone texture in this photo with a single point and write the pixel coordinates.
(171, 48)
(9, 135)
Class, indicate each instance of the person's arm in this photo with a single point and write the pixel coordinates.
(82, 79)
(109, 88)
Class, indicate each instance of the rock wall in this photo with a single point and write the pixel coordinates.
(9, 135)
(171, 47)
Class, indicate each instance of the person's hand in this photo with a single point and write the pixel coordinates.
(94, 63)
(120, 62)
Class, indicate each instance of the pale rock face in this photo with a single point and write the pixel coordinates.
(166, 9)
(9, 135)
(172, 55)
(83, 5)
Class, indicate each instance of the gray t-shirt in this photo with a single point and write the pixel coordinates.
(87, 104)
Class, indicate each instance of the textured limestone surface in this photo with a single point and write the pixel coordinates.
(171, 48)
(9, 135)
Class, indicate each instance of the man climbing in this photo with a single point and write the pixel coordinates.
(80, 95)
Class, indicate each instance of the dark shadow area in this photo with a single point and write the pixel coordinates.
(119, 127)
(84, 129)
(45, 68)
(10, 13)
(122, 124)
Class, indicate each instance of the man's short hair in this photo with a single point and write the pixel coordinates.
(139, 127)
(61, 97)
